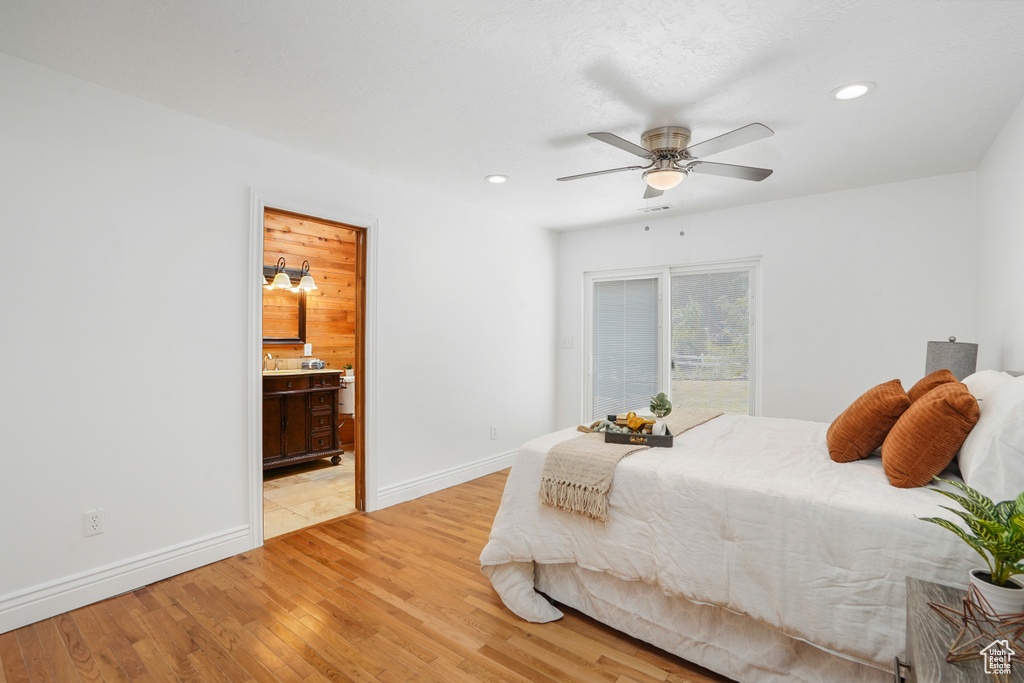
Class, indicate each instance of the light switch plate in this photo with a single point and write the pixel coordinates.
(307, 349)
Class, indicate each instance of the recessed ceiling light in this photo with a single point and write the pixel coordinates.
(852, 91)
(496, 179)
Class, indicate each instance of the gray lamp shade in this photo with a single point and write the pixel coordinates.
(959, 358)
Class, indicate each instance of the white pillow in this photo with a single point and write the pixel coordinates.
(992, 457)
(984, 383)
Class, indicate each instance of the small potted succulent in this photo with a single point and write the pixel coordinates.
(997, 534)
(349, 372)
(660, 407)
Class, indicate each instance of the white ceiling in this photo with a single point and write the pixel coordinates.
(443, 92)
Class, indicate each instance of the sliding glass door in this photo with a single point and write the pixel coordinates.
(688, 331)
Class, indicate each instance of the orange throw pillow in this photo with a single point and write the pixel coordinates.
(929, 382)
(862, 427)
(928, 435)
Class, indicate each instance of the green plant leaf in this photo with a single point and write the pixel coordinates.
(972, 493)
(660, 405)
(1006, 552)
(970, 505)
(983, 529)
(1020, 503)
(969, 540)
(1004, 511)
(997, 530)
(978, 498)
(1017, 523)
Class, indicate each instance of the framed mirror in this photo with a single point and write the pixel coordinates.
(284, 310)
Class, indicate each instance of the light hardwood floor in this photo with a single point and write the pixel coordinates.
(393, 595)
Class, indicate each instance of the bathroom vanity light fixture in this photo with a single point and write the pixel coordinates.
(285, 278)
(281, 279)
(306, 282)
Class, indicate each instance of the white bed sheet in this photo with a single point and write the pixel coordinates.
(744, 513)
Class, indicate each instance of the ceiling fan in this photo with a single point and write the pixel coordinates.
(672, 160)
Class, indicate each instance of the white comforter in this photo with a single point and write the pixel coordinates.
(749, 514)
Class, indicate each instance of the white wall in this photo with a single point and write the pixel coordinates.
(130, 393)
(854, 284)
(1001, 249)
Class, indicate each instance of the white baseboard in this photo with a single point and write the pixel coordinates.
(49, 599)
(55, 597)
(421, 486)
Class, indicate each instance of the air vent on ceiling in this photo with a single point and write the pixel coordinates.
(652, 209)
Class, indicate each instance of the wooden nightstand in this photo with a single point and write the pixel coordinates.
(929, 638)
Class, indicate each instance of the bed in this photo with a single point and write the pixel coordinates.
(743, 548)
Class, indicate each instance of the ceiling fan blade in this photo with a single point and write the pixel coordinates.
(730, 170)
(610, 170)
(740, 136)
(651, 192)
(626, 145)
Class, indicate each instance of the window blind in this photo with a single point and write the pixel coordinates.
(711, 341)
(625, 345)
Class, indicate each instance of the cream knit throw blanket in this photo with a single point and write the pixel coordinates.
(577, 475)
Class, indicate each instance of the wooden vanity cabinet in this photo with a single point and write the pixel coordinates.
(299, 419)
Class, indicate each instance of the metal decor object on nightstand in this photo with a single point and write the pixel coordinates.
(929, 638)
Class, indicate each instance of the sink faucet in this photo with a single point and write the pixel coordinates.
(266, 365)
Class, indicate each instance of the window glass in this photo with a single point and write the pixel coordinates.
(625, 345)
(710, 357)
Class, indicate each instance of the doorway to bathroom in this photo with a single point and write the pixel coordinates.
(313, 412)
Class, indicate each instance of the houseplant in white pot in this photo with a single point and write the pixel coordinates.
(997, 534)
(660, 406)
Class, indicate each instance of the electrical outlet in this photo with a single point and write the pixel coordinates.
(566, 342)
(307, 350)
(494, 432)
(94, 520)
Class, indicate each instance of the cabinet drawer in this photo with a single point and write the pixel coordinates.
(322, 440)
(321, 399)
(291, 383)
(325, 381)
(320, 420)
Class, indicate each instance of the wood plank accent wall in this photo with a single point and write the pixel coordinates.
(330, 249)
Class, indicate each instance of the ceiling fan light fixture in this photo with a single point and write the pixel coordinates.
(671, 157)
(664, 178)
(852, 91)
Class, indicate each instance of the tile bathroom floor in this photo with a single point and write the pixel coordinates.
(309, 493)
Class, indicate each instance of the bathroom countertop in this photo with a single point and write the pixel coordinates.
(325, 371)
